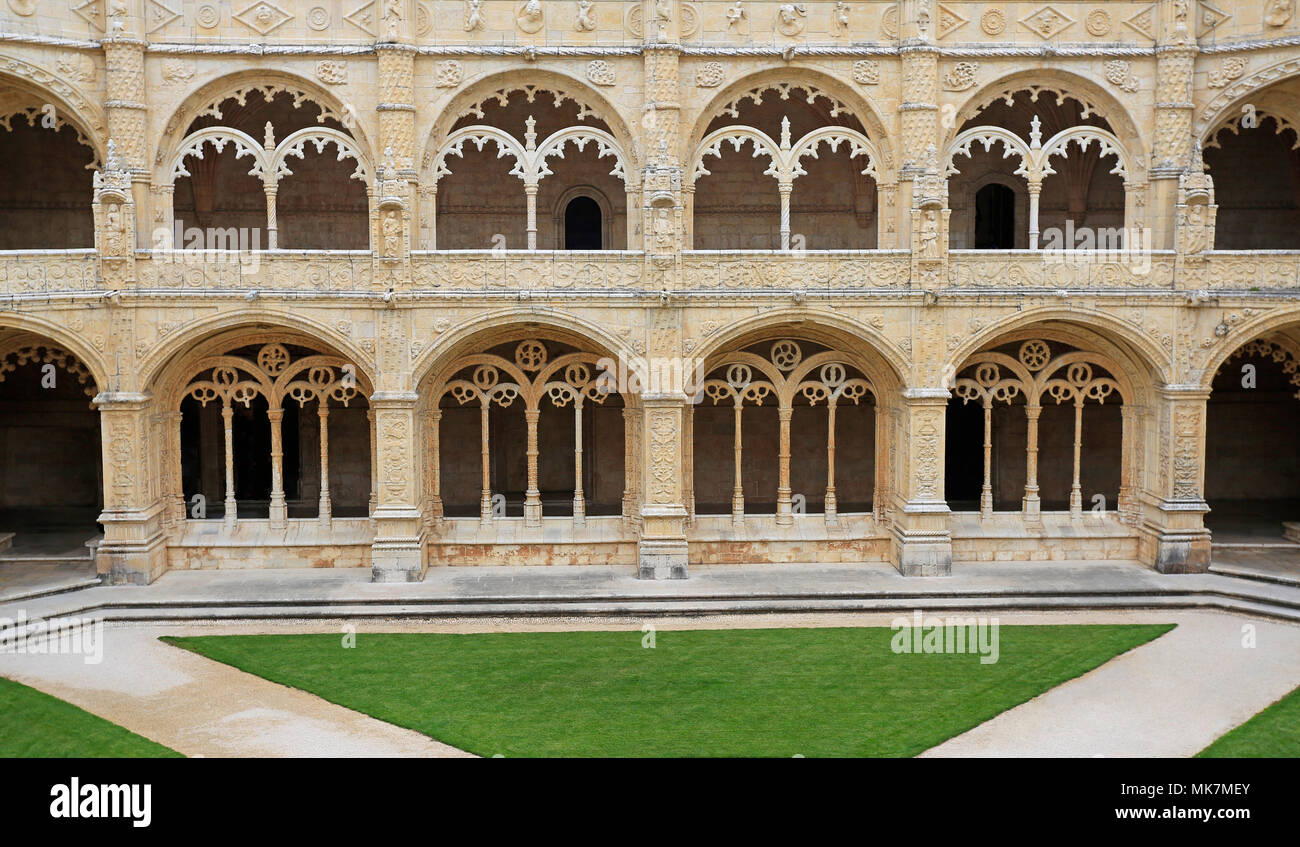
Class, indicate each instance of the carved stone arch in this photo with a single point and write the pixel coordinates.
(1284, 122)
(737, 137)
(986, 137)
(792, 77)
(71, 105)
(540, 377)
(206, 96)
(24, 348)
(479, 137)
(1227, 103)
(1045, 82)
(156, 368)
(1144, 363)
(467, 101)
(171, 385)
(245, 146)
(1281, 327)
(606, 146)
(18, 331)
(878, 358)
(295, 145)
(515, 323)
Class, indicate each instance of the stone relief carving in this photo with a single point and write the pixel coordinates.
(1119, 72)
(791, 18)
(599, 72)
(450, 73)
(961, 76)
(710, 75)
(866, 72)
(332, 71)
(993, 22)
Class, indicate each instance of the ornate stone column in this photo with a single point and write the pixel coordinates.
(1174, 519)
(922, 541)
(134, 547)
(661, 553)
(397, 554)
(126, 109)
(397, 136)
(1175, 64)
(918, 113)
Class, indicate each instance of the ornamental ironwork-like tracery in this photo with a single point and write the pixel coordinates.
(784, 374)
(533, 377)
(1036, 374)
(275, 375)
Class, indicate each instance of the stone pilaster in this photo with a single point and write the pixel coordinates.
(1174, 520)
(1175, 64)
(922, 541)
(133, 550)
(126, 109)
(396, 148)
(661, 553)
(397, 554)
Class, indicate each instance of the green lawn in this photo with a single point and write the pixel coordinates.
(1273, 733)
(761, 692)
(35, 725)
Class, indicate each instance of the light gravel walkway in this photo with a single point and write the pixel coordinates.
(1171, 697)
(203, 708)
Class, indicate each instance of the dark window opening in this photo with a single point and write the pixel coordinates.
(582, 225)
(995, 218)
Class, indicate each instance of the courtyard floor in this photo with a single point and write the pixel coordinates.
(1170, 697)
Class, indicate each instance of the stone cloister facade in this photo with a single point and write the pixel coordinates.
(404, 284)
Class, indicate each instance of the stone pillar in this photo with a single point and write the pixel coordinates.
(661, 553)
(126, 110)
(922, 541)
(1172, 142)
(397, 554)
(397, 136)
(134, 547)
(1174, 519)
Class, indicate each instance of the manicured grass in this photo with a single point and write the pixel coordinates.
(760, 692)
(36, 725)
(1273, 733)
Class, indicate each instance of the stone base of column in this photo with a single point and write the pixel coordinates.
(661, 559)
(1175, 539)
(1182, 552)
(397, 554)
(923, 552)
(133, 552)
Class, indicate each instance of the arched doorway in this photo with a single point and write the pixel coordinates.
(584, 226)
(51, 473)
(1252, 455)
(995, 217)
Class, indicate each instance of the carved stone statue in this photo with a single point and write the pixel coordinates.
(840, 18)
(1195, 238)
(736, 15)
(473, 15)
(392, 227)
(585, 22)
(664, 231)
(929, 236)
